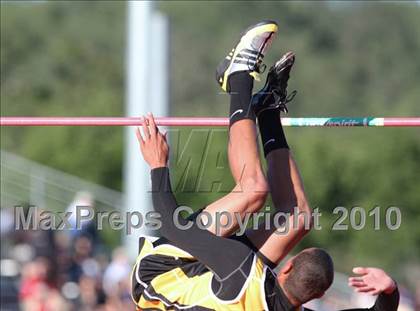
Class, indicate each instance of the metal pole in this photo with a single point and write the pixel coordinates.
(136, 175)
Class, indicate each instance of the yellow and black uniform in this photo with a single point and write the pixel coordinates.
(199, 271)
(166, 277)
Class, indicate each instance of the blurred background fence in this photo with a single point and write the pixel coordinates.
(27, 182)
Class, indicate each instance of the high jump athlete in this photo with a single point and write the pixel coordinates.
(195, 269)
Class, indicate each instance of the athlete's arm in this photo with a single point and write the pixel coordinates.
(223, 256)
(375, 281)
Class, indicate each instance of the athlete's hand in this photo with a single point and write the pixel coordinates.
(372, 281)
(153, 145)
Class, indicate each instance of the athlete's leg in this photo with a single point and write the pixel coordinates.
(235, 75)
(283, 176)
(287, 193)
(251, 188)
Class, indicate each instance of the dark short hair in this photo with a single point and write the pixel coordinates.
(311, 275)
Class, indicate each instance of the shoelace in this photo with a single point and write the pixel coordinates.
(257, 69)
(260, 66)
(283, 99)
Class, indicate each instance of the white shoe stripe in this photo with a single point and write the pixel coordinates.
(247, 55)
(244, 61)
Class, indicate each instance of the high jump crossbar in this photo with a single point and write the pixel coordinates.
(209, 122)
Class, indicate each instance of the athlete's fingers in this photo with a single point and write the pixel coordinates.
(146, 132)
(152, 124)
(143, 137)
(139, 137)
(360, 270)
(356, 279)
(365, 289)
(357, 285)
(164, 136)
